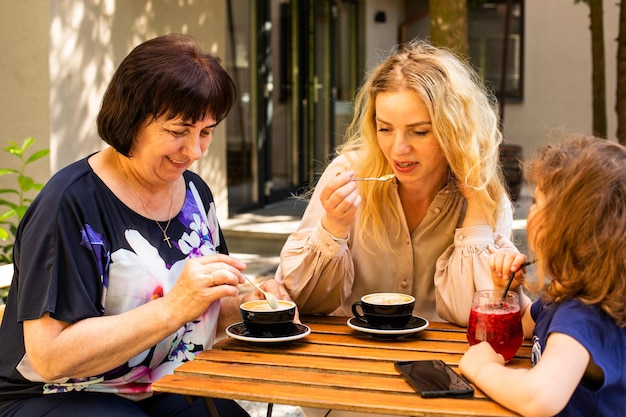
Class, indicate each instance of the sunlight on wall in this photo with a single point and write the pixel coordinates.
(88, 40)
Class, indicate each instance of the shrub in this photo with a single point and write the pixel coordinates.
(21, 195)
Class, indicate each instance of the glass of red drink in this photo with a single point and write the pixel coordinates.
(497, 321)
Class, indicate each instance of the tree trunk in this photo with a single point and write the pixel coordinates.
(598, 69)
(448, 25)
(620, 106)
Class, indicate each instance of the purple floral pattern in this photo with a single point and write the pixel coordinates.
(131, 278)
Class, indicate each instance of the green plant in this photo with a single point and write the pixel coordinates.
(22, 195)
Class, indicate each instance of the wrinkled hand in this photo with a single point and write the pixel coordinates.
(202, 281)
(502, 264)
(477, 357)
(340, 200)
(274, 287)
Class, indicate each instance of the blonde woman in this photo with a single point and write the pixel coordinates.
(440, 227)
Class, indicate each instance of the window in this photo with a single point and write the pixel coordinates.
(486, 29)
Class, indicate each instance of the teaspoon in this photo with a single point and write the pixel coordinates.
(271, 298)
(383, 178)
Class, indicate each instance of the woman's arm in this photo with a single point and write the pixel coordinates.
(465, 266)
(316, 269)
(315, 263)
(95, 345)
(543, 390)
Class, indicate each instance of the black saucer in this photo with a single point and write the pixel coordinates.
(240, 332)
(415, 324)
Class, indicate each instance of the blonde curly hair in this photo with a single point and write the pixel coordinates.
(464, 122)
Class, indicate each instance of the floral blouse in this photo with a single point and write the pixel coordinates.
(80, 252)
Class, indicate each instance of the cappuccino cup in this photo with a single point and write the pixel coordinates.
(387, 310)
(261, 320)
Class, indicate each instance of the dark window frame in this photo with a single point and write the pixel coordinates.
(486, 27)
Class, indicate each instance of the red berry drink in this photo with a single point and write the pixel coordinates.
(496, 322)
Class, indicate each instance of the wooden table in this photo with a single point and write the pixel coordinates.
(333, 367)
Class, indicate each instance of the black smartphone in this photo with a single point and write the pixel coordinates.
(433, 378)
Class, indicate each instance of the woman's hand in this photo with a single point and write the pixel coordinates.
(340, 200)
(202, 281)
(502, 264)
(274, 287)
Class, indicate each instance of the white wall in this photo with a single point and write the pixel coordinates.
(57, 57)
(557, 73)
(381, 37)
(24, 92)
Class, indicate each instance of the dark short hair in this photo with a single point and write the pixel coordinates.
(168, 75)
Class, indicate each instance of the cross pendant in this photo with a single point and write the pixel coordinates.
(167, 240)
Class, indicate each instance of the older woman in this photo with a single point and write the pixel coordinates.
(121, 269)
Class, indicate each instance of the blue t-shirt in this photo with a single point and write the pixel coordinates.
(80, 252)
(606, 343)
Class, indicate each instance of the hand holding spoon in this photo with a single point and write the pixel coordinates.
(271, 298)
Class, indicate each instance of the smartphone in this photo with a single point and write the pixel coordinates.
(433, 378)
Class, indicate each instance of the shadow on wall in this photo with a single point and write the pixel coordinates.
(88, 40)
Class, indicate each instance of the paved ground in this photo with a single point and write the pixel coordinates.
(260, 410)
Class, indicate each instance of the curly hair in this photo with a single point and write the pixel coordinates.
(579, 232)
(464, 122)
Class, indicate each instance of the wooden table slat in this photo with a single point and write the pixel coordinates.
(337, 364)
(341, 399)
(380, 376)
(450, 353)
(435, 332)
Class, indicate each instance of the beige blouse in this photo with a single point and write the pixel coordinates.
(440, 264)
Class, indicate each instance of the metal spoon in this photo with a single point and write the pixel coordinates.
(271, 298)
(383, 178)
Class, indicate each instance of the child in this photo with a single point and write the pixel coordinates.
(577, 229)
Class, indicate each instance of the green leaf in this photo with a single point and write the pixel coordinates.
(37, 155)
(14, 150)
(27, 143)
(21, 210)
(8, 190)
(9, 213)
(4, 235)
(25, 182)
(7, 203)
(4, 171)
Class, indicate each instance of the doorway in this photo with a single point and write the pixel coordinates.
(295, 64)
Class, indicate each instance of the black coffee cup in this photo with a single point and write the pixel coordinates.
(385, 310)
(261, 320)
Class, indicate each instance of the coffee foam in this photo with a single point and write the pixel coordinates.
(263, 305)
(388, 298)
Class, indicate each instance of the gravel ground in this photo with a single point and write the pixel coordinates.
(260, 409)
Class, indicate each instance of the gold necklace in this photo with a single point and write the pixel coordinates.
(166, 238)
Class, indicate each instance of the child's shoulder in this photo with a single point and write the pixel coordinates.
(578, 319)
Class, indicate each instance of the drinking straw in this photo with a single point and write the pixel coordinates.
(508, 285)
